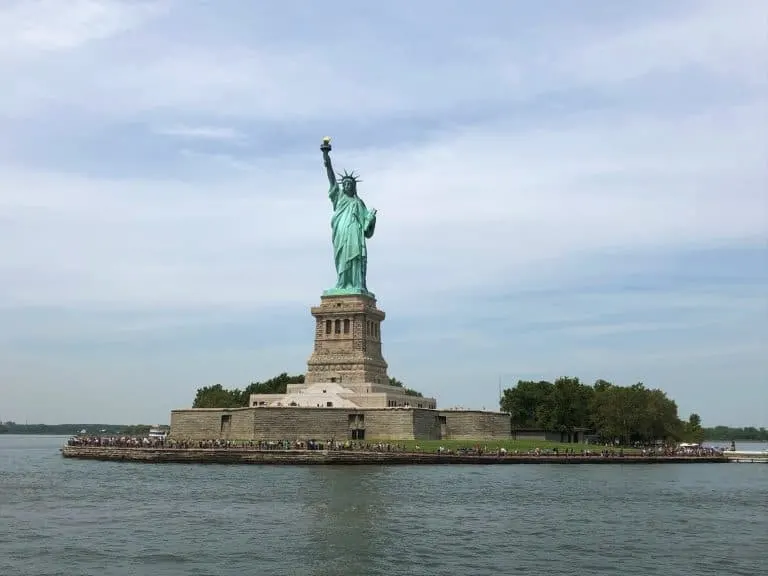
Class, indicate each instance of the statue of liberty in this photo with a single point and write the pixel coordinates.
(352, 223)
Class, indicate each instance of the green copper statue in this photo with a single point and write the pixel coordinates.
(352, 223)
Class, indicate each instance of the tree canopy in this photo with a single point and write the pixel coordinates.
(71, 429)
(216, 396)
(406, 391)
(747, 434)
(627, 413)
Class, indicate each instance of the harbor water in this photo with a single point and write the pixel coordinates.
(65, 517)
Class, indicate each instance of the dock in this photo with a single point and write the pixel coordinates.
(747, 456)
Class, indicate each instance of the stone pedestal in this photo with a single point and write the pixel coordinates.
(347, 342)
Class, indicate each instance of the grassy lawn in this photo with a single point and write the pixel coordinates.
(510, 445)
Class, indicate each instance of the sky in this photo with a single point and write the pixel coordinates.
(563, 189)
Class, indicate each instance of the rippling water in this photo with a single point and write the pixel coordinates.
(72, 517)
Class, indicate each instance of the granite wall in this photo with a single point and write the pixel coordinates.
(392, 424)
(474, 424)
(302, 423)
(426, 424)
(210, 423)
(289, 423)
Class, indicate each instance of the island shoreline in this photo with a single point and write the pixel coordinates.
(351, 457)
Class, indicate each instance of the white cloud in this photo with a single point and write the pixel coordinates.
(32, 27)
(460, 211)
(728, 39)
(223, 133)
(357, 72)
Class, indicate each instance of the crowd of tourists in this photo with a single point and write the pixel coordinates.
(218, 444)
(696, 450)
(362, 446)
(117, 441)
(683, 449)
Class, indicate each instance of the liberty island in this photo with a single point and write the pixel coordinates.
(347, 393)
(347, 400)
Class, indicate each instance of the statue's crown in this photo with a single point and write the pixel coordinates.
(348, 176)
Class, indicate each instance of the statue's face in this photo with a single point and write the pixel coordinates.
(348, 187)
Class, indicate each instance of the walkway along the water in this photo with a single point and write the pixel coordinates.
(335, 457)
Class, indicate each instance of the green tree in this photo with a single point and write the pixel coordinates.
(747, 434)
(569, 405)
(217, 396)
(67, 429)
(660, 419)
(276, 385)
(693, 430)
(601, 385)
(608, 407)
(407, 391)
(529, 403)
(633, 413)
(624, 413)
(135, 430)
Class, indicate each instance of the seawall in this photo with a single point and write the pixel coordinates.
(341, 457)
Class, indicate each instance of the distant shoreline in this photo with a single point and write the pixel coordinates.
(342, 457)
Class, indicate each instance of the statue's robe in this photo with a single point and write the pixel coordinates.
(351, 224)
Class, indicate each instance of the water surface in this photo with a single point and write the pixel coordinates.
(70, 517)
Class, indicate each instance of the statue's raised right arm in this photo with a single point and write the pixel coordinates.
(326, 149)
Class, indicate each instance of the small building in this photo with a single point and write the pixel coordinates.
(575, 436)
(335, 395)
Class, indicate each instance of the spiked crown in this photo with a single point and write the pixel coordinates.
(348, 176)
